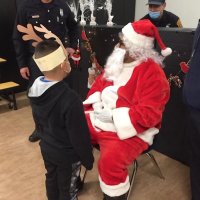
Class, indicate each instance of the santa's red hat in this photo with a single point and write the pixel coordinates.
(143, 33)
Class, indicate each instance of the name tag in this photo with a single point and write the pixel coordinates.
(35, 16)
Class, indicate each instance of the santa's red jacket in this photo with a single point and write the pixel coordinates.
(136, 99)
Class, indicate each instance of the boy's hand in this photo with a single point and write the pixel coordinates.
(70, 51)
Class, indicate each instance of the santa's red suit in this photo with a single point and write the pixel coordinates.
(136, 99)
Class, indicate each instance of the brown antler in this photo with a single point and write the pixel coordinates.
(2, 60)
(29, 34)
(48, 34)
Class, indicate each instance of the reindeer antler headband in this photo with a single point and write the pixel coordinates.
(52, 60)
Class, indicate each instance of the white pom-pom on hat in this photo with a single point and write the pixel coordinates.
(166, 52)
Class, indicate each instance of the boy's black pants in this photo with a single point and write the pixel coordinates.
(61, 177)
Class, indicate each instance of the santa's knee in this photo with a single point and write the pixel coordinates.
(105, 164)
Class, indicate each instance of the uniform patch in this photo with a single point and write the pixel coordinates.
(35, 16)
(179, 24)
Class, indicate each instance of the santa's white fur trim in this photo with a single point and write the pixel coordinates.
(104, 126)
(166, 52)
(115, 190)
(148, 135)
(95, 97)
(123, 123)
(137, 39)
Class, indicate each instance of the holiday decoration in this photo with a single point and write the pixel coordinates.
(92, 22)
(74, 9)
(96, 68)
(76, 56)
(82, 22)
(175, 79)
(184, 67)
(87, 7)
(31, 35)
(109, 9)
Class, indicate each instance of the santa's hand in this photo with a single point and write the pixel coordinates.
(104, 115)
(98, 107)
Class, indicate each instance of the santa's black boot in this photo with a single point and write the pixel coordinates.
(121, 197)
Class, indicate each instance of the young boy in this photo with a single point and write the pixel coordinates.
(59, 116)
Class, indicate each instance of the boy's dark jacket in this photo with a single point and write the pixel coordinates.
(62, 126)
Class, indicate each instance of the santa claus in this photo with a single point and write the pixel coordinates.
(125, 104)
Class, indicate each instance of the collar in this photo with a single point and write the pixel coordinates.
(132, 64)
(42, 78)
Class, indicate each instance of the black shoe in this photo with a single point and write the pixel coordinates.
(122, 197)
(34, 137)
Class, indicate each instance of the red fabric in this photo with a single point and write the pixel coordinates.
(184, 67)
(146, 94)
(115, 154)
(146, 28)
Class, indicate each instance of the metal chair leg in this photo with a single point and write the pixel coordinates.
(132, 178)
(155, 164)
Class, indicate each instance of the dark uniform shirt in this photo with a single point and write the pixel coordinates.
(55, 16)
(168, 19)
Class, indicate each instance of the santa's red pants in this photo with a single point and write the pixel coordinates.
(115, 156)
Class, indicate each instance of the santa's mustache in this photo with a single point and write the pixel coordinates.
(114, 64)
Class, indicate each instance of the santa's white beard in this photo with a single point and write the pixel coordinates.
(114, 64)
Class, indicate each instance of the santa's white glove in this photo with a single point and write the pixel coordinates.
(104, 115)
(98, 106)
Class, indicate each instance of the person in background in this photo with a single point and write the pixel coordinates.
(160, 17)
(191, 94)
(58, 112)
(57, 17)
(125, 104)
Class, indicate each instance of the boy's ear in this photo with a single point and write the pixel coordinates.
(62, 65)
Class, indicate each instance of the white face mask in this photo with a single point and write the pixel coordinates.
(114, 64)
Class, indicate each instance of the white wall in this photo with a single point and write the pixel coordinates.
(187, 10)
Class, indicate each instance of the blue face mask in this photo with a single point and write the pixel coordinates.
(154, 15)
